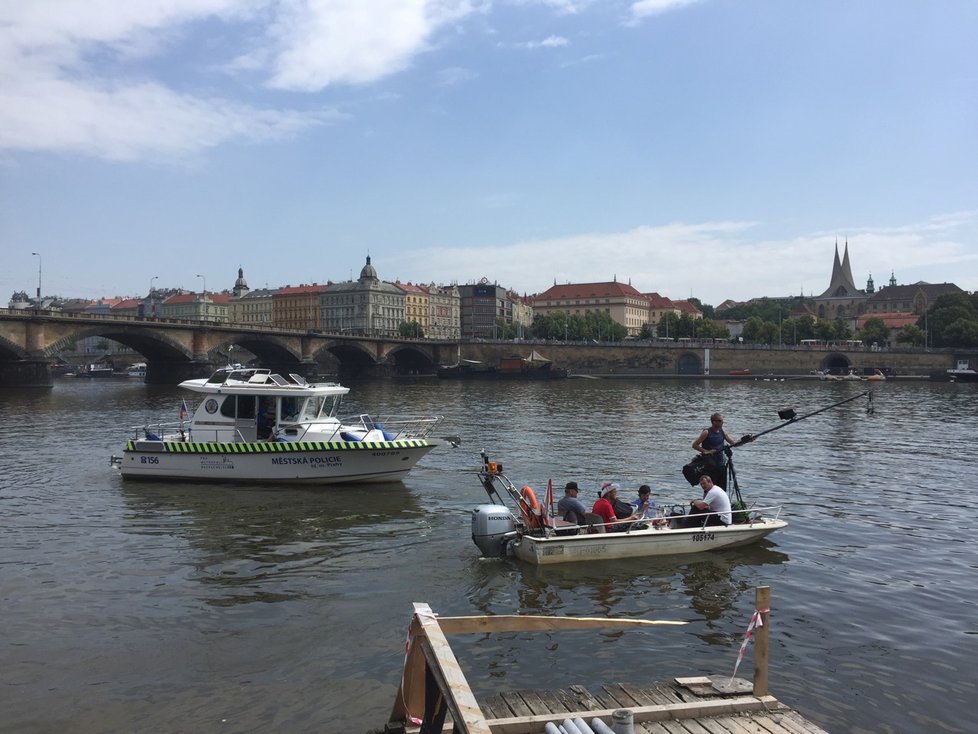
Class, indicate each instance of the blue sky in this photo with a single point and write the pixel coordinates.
(714, 148)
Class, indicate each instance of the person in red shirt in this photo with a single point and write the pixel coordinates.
(604, 506)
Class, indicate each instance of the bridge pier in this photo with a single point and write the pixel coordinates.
(25, 373)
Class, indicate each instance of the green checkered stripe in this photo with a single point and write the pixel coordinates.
(281, 447)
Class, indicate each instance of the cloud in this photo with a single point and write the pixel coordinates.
(78, 75)
(323, 42)
(548, 42)
(712, 261)
(648, 8)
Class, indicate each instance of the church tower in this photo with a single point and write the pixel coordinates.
(240, 285)
(870, 288)
(842, 284)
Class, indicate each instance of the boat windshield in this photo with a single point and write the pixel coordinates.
(289, 410)
(320, 407)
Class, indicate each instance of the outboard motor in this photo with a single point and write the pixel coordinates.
(493, 527)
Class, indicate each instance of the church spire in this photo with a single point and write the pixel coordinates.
(842, 284)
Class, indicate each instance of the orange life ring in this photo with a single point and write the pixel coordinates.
(529, 508)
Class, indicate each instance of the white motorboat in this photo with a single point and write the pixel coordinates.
(137, 369)
(256, 426)
(533, 536)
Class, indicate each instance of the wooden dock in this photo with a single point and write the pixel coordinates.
(434, 696)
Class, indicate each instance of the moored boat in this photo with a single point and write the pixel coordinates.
(256, 426)
(137, 369)
(96, 370)
(963, 372)
(533, 367)
(532, 535)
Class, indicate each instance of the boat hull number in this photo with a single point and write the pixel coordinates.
(703, 536)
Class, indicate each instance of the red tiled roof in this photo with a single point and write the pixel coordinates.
(411, 288)
(657, 301)
(687, 307)
(892, 320)
(589, 290)
(298, 290)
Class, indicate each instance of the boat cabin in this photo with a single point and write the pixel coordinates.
(256, 404)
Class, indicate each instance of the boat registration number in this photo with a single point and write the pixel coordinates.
(698, 537)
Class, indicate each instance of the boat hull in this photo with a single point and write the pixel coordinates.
(640, 543)
(321, 463)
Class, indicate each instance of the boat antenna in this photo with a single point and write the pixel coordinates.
(789, 416)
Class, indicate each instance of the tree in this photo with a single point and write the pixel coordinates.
(668, 325)
(947, 310)
(710, 329)
(504, 330)
(410, 330)
(875, 331)
(752, 330)
(910, 334)
(962, 333)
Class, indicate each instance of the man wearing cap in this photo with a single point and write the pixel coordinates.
(570, 508)
(604, 506)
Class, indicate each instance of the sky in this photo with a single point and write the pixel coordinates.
(709, 148)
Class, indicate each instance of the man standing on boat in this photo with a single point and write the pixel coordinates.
(570, 508)
(710, 443)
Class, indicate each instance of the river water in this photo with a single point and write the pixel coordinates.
(131, 606)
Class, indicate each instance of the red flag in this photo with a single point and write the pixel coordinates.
(549, 504)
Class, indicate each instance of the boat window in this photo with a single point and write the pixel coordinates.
(312, 408)
(238, 406)
(289, 410)
(279, 380)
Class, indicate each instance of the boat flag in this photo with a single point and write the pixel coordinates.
(183, 410)
(549, 504)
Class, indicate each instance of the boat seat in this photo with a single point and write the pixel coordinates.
(594, 522)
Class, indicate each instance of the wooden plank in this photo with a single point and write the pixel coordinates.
(534, 623)
(737, 725)
(585, 700)
(664, 695)
(799, 723)
(554, 702)
(640, 697)
(441, 660)
(516, 703)
(698, 709)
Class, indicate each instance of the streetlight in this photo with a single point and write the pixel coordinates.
(152, 302)
(205, 282)
(38, 278)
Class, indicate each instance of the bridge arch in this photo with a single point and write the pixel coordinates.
(156, 346)
(10, 350)
(836, 363)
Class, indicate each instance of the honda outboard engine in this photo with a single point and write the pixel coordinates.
(493, 527)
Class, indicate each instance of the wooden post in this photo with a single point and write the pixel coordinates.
(762, 603)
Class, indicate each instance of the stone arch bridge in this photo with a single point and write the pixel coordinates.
(175, 350)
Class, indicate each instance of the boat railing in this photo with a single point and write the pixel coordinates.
(398, 428)
(624, 526)
(172, 431)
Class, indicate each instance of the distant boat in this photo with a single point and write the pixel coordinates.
(533, 367)
(963, 372)
(138, 369)
(95, 370)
